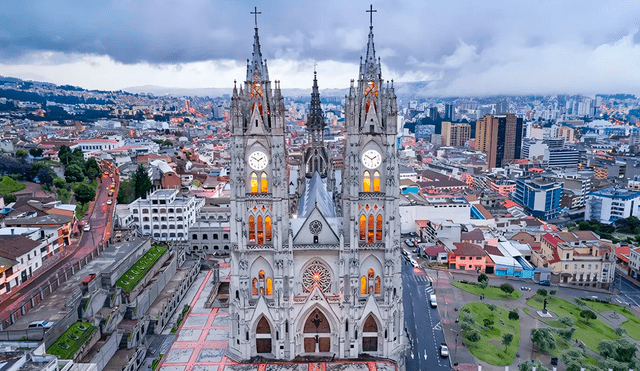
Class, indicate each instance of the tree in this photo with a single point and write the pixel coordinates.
(553, 292)
(621, 350)
(126, 193)
(64, 154)
(73, 174)
(588, 314)
(34, 171)
(513, 315)
(36, 152)
(77, 156)
(472, 335)
(142, 182)
(9, 199)
(21, 153)
(91, 168)
(566, 333)
(566, 321)
(543, 338)
(620, 331)
(542, 292)
(507, 288)
(573, 358)
(484, 284)
(487, 322)
(44, 176)
(84, 193)
(59, 183)
(483, 277)
(528, 366)
(506, 340)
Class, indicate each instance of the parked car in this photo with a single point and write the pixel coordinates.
(433, 301)
(87, 227)
(41, 324)
(414, 263)
(545, 283)
(109, 202)
(444, 350)
(409, 243)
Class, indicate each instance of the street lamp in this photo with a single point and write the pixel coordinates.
(456, 353)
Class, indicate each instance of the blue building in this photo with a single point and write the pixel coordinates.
(540, 197)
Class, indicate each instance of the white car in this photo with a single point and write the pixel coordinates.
(444, 350)
(109, 202)
(87, 227)
(41, 324)
(414, 263)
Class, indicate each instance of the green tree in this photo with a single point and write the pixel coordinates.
(44, 176)
(59, 183)
(513, 315)
(588, 314)
(472, 335)
(9, 198)
(484, 284)
(506, 340)
(84, 193)
(142, 182)
(621, 350)
(573, 358)
(507, 288)
(528, 366)
(64, 154)
(77, 155)
(487, 322)
(620, 331)
(21, 153)
(566, 321)
(483, 277)
(542, 292)
(34, 171)
(566, 333)
(543, 338)
(73, 173)
(126, 192)
(36, 152)
(91, 168)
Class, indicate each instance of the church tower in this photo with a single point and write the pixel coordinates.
(316, 279)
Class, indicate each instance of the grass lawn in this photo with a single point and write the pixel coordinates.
(591, 333)
(491, 292)
(632, 325)
(66, 346)
(8, 186)
(132, 277)
(489, 348)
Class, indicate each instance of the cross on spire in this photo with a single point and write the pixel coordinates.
(371, 11)
(255, 13)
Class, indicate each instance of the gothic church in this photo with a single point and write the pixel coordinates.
(317, 271)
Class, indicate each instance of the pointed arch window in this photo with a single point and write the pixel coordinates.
(377, 285)
(370, 280)
(376, 181)
(254, 287)
(260, 230)
(252, 229)
(267, 228)
(270, 286)
(363, 227)
(366, 181)
(379, 227)
(363, 285)
(254, 183)
(261, 281)
(370, 229)
(263, 183)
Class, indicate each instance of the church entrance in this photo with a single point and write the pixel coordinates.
(263, 336)
(317, 333)
(370, 335)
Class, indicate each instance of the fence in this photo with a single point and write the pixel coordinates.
(56, 279)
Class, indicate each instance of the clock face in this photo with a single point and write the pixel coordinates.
(371, 159)
(258, 160)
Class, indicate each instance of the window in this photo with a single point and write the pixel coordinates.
(260, 230)
(262, 285)
(263, 183)
(371, 229)
(155, 211)
(145, 211)
(254, 183)
(379, 228)
(366, 182)
(215, 236)
(194, 237)
(135, 211)
(370, 284)
(225, 236)
(363, 227)
(267, 227)
(566, 266)
(376, 181)
(205, 236)
(252, 229)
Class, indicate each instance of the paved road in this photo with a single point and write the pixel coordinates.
(422, 322)
(100, 230)
(629, 293)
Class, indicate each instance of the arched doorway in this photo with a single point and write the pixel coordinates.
(317, 333)
(370, 335)
(263, 336)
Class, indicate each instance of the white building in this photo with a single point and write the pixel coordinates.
(610, 204)
(634, 263)
(21, 253)
(97, 145)
(165, 215)
(436, 209)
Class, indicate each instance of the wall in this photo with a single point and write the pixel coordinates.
(109, 279)
(107, 351)
(144, 300)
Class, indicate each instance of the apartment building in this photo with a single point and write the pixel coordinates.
(610, 204)
(634, 263)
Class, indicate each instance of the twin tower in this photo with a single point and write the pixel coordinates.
(315, 268)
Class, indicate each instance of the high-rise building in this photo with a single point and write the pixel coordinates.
(448, 112)
(433, 113)
(539, 196)
(317, 272)
(455, 135)
(500, 137)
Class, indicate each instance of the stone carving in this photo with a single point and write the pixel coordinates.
(280, 263)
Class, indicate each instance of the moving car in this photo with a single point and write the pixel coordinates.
(414, 263)
(444, 350)
(109, 202)
(545, 283)
(41, 324)
(433, 301)
(87, 227)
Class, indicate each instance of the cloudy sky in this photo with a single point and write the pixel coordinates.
(458, 47)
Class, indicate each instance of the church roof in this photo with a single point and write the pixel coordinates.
(316, 194)
(256, 63)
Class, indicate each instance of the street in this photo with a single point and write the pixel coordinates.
(629, 293)
(422, 322)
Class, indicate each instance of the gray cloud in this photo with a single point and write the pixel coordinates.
(454, 44)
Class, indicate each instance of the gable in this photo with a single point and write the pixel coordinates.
(326, 235)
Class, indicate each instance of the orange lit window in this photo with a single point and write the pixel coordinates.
(363, 227)
(377, 285)
(379, 228)
(260, 231)
(254, 183)
(252, 229)
(370, 230)
(254, 287)
(366, 182)
(263, 183)
(376, 182)
(269, 286)
(267, 227)
(261, 281)
(370, 281)
(363, 285)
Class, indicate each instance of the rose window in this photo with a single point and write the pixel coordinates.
(316, 274)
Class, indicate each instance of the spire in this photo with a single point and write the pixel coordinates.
(256, 68)
(370, 69)
(315, 119)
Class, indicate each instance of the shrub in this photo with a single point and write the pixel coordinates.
(566, 321)
(473, 335)
(487, 322)
(566, 333)
(492, 307)
(513, 315)
(553, 292)
(483, 277)
(588, 314)
(542, 292)
(507, 288)
(620, 331)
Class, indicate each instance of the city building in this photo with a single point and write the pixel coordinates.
(448, 112)
(610, 204)
(455, 135)
(634, 263)
(540, 197)
(165, 215)
(315, 273)
(470, 257)
(210, 234)
(500, 137)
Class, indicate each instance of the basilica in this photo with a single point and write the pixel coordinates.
(315, 261)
